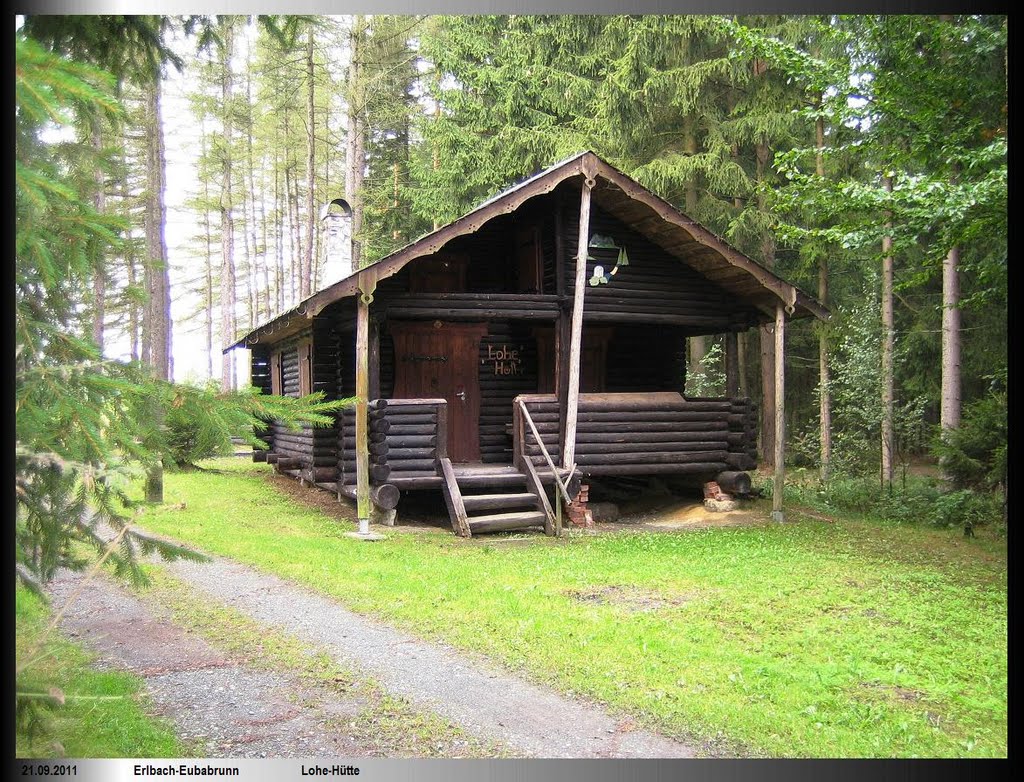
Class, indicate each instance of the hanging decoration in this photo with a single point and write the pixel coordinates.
(601, 242)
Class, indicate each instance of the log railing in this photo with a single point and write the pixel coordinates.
(647, 433)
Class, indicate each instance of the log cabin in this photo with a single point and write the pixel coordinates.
(539, 340)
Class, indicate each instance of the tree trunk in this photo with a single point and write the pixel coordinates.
(763, 155)
(266, 250)
(888, 343)
(250, 292)
(950, 401)
(355, 158)
(159, 305)
(207, 220)
(279, 240)
(259, 254)
(306, 273)
(293, 229)
(950, 405)
(695, 344)
(824, 374)
(227, 227)
(696, 350)
(133, 308)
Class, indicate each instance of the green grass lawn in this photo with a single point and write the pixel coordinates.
(103, 714)
(845, 639)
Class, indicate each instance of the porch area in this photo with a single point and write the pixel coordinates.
(622, 434)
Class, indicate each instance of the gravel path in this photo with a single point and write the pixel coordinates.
(218, 705)
(486, 702)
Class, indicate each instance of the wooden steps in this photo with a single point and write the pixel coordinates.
(519, 507)
(498, 501)
(503, 522)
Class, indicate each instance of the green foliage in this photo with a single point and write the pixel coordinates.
(910, 500)
(856, 394)
(388, 70)
(711, 380)
(201, 421)
(976, 454)
(84, 426)
(77, 418)
(967, 509)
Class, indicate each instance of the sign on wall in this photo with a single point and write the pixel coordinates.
(505, 359)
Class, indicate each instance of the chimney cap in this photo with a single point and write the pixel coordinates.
(325, 210)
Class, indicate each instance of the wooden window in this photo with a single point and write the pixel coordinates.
(305, 368)
(440, 274)
(276, 385)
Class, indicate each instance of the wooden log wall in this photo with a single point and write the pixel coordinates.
(310, 453)
(346, 447)
(293, 449)
(322, 464)
(345, 383)
(647, 434)
(742, 433)
(260, 378)
(471, 306)
(501, 381)
(406, 440)
(654, 288)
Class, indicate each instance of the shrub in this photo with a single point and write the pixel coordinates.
(974, 456)
(911, 501)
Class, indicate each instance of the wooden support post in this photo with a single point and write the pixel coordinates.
(780, 409)
(363, 299)
(732, 365)
(562, 325)
(576, 335)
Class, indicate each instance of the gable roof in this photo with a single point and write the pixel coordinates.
(615, 193)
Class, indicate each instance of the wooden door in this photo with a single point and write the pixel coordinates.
(441, 360)
(593, 359)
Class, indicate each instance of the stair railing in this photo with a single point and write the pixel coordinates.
(527, 462)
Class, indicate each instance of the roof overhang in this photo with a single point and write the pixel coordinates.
(614, 192)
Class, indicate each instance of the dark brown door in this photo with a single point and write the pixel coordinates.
(440, 360)
(593, 359)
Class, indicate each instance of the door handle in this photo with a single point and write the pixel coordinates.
(461, 395)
